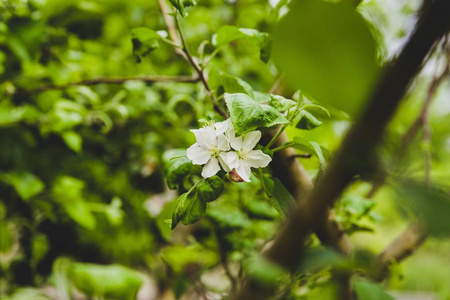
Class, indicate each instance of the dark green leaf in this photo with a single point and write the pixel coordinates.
(144, 41)
(210, 189)
(280, 197)
(228, 217)
(177, 166)
(188, 209)
(322, 44)
(181, 5)
(247, 114)
(307, 121)
(312, 148)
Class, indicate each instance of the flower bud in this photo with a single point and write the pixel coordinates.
(234, 176)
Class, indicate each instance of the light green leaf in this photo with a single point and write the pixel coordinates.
(307, 121)
(247, 114)
(73, 140)
(210, 189)
(280, 103)
(223, 82)
(370, 291)
(323, 44)
(227, 34)
(144, 41)
(181, 5)
(79, 211)
(27, 185)
(105, 282)
(317, 111)
(312, 148)
(180, 256)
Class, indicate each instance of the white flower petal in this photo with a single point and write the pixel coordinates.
(211, 168)
(236, 142)
(257, 159)
(232, 160)
(251, 139)
(222, 127)
(198, 155)
(222, 143)
(244, 170)
(206, 137)
(223, 161)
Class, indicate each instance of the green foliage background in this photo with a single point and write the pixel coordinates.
(82, 177)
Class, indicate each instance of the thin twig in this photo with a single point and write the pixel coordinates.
(197, 69)
(112, 80)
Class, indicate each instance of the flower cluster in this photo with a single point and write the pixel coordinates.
(218, 146)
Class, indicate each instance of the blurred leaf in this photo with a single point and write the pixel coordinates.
(144, 41)
(247, 114)
(307, 121)
(210, 189)
(430, 204)
(73, 140)
(261, 209)
(40, 247)
(179, 257)
(317, 111)
(27, 185)
(111, 281)
(333, 47)
(181, 5)
(6, 237)
(79, 211)
(228, 218)
(280, 103)
(370, 291)
(280, 197)
(265, 271)
(227, 34)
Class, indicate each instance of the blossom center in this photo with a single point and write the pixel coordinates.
(214, 152)
(241, 154)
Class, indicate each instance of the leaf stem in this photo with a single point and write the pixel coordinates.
(284, 146)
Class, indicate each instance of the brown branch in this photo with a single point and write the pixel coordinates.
(358, 146)
(112, 80)
(402, 247)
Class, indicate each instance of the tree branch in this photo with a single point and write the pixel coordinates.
(113, 80)
(359, 145)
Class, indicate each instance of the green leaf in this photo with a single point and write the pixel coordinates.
(144, 41)
(228, 217)
(106, 282)
(280, 103)
(73, 140)
(370, 291)
(178, 257)
(181, 5)
(6, 237)
(79, 211)
(312, 148)
(27, 185)
(188, 209)
(227, 34)
(317, 111)
(177, 166)
(247, 114)
(429, 204)
(210, 189)
(223, 82)
(323, 44)
(307, 121)
(280, 197)
(264, 271)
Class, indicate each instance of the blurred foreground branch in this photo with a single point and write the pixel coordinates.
(358, 146)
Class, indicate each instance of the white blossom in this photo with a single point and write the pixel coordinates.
(244, 157)
(209, 150)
